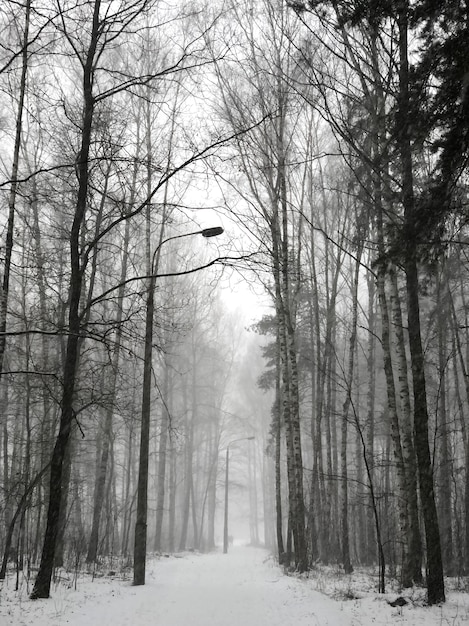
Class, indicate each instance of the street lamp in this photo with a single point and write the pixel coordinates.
(140, 540)
(227, 464)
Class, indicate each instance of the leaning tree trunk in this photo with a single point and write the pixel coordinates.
(43, 581)
(19, 510)
(5, 287)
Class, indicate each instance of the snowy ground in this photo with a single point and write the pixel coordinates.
(243, 587)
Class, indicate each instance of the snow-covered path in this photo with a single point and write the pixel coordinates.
(244, 587)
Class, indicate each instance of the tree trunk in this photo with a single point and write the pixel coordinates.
(293, 442)
(277, 427)
(128, 488)
(459, 357)
(445, 473)
(161, 469)
(369, 451)
(64, 513)
(172, 499)
(14, 187)
(19, 510)
(412, 566)
(346, 562)
(285, 305)
(140, 540)
(43, 581)
(109, 411)
(188, 472)
(435, 582)
(254, 516)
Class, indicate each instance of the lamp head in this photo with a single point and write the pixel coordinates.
(212, 232)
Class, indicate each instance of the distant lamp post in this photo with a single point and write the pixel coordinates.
(227, 479)
(140, 540)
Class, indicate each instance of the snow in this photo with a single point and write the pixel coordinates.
(245, 586)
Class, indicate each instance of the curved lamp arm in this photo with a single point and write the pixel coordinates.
(205, 232)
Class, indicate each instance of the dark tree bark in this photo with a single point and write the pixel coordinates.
(435, 582)
(8, 250)
(43, 581)
(140, 540)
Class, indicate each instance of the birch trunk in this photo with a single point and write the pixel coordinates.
(412, 566)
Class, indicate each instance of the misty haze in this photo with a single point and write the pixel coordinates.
(234, 313)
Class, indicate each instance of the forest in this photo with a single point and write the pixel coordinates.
(234, 238)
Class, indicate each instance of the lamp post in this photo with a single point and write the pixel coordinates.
(227, 474)
(140, 539)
